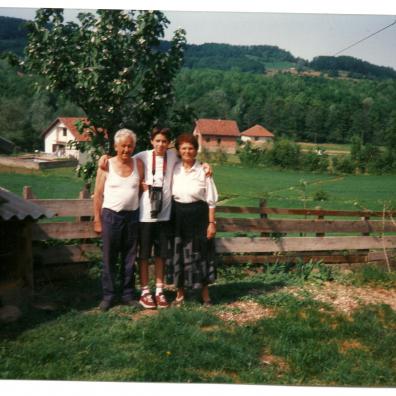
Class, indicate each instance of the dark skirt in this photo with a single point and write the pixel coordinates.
(192, 264)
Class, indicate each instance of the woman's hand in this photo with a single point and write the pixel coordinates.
(207, 169)
(211, 232)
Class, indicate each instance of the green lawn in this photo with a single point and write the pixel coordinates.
(290, 339)
(243, 186)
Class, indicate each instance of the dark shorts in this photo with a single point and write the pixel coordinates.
(157, 234)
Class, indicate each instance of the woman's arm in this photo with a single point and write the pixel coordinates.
(211, 199)
(211, 231)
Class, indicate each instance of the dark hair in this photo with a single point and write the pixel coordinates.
(162, 131)
(186, 138)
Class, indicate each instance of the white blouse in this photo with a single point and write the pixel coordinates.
(191, 185)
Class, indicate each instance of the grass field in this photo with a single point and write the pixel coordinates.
(242, 186)
(276, 325)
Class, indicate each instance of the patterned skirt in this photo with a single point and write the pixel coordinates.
(192, 264)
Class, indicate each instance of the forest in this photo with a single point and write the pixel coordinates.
(315, 108)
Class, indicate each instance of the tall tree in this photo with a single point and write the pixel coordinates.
(109, 64)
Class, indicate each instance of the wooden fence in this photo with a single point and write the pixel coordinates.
(259, 235)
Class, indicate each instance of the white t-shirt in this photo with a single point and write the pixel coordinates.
(121, 193)
(192, 185)
(145, 207)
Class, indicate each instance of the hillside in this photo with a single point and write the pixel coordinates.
(245, 58)
(12, 35)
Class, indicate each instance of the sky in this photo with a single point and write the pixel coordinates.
(306, 31)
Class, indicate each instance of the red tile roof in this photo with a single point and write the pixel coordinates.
(70, 122)
(206, 126)
(257, 131)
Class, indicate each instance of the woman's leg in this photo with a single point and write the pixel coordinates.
(205, 294)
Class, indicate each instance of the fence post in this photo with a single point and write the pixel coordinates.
(320, 234)
(27, 192)
(262, 205)
(84, 194)
(366, 218)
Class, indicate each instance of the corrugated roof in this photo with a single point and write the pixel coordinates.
(6, 146)
(257, 131)
(13, 207)
(207, 126)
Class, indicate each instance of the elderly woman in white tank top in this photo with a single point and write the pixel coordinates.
(116, 217)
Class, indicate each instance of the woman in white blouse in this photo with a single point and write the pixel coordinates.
(193, 213)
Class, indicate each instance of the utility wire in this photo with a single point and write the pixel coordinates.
(363, 39)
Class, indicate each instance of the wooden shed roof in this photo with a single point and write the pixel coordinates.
(13, 207)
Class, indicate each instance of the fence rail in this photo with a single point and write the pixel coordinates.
(363, 239)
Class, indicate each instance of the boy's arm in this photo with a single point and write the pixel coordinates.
(103, 162)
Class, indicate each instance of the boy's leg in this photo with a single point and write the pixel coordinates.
(162, 251)
(145, 241)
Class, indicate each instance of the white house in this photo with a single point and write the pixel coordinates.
(257, 134)
(62, 131)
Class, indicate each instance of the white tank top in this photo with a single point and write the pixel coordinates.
(121, 193)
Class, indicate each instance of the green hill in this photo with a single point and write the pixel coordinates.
(245, 58)
(12, 35)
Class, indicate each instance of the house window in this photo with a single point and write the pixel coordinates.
(218, 141)
(207, 139)
(256, 138)
(64, 131)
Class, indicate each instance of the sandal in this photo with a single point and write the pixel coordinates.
(178, 302)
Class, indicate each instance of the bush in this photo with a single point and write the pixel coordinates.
(343, 165)
(321, 196)
(219, 157)
(285, 154)
(312, 161)
(250, 155)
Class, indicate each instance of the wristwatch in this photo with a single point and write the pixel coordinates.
(213, 222)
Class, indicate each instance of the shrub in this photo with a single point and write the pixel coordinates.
(312, 161)
(343, 164)
(285, 154)
(250, 155)
(321, 196)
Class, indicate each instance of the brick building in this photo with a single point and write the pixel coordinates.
(214, 135)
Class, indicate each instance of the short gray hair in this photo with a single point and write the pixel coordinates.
(124, 133)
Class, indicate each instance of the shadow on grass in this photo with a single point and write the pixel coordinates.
(232, 291)
(52, 300)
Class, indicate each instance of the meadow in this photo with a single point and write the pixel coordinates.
(270, 324)
(243, 186)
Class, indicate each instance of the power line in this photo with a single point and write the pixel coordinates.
(363, 39)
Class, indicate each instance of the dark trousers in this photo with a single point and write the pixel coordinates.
(120, 236)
